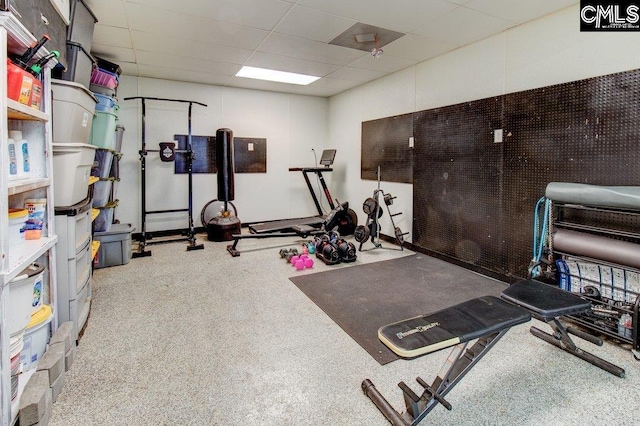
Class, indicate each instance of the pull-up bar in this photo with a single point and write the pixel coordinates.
(190, 232)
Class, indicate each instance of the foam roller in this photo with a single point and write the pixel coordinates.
(623, 253)
(624, 197)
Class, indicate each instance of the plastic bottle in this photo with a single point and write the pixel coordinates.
(22, 154)
(13, 159)
(624, 325)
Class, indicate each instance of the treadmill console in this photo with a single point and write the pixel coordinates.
(328, 156)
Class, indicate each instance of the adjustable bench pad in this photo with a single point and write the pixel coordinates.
(457, 324)
(545, 301)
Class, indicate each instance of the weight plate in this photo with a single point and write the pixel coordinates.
(361, 234)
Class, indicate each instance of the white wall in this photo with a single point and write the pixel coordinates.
(544, 52)
(292, 125)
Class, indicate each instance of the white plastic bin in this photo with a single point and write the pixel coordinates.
(72, 164)
(21, 293)
(36, 337)
(73, 110)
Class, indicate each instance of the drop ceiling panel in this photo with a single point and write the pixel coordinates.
(113, 54)
(462, 26)
(301, 66)
(356, 74)
(404, 16)
(189, 27)
(165, 60)
(193, 49)
(182, 75)
(263, 14)
(114, 36)
(313, 24)
(519, 11)
(385, 64)
(280, 44)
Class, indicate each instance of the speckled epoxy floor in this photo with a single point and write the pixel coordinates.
(201, 338)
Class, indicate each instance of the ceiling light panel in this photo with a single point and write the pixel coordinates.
(273, 75)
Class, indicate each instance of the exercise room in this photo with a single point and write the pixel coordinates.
(278, 212)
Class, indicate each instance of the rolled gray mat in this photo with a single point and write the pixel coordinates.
(597, 247)
(624, 197)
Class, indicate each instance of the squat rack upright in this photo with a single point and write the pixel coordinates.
(190, 232)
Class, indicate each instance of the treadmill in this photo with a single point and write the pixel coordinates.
(290, 225)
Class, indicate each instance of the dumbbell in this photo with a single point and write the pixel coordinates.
(288, 253)
(346, 250)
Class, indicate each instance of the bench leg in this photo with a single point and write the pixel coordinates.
(458, 364)
(562, 340)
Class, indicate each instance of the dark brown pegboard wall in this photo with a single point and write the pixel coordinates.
(474, 199)
(385, 144)
(458, 182)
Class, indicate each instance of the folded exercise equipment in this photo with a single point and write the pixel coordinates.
(486, 320)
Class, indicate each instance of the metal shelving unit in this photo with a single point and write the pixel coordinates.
(618, 224)
(36, 126)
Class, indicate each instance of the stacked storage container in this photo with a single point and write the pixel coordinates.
(106, 135)
(115, 238)
(74, 109)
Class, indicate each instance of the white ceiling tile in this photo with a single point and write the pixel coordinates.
(109, 12)
(190, 48)
(182, 75)
(385, 64)
(114, 54)
(519, 11)
(164, 60)
(356, 74)
(315, 91)
(282, 63)
(404, 16)
(313, 24)
(417, 48)
(295, 47)
(113, 36)
(334, 83)
(462, 26)
(189, 27)
(263, 14)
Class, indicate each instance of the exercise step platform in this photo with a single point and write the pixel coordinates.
(285, 225)
(484, 320)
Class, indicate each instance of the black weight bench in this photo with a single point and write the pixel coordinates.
(485, 320)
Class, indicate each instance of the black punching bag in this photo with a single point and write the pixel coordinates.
(224, 163)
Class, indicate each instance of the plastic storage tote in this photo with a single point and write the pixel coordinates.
(83, 21)
(104, 78)
(103, 131)
(104, 221)
(80, 63)
(102, 163)
(72, 164)
(102, 192)
(115, 245)
(105, 103)
(73, 110)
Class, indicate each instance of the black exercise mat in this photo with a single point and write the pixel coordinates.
(363, 298)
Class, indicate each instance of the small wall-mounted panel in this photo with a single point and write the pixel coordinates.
(250, 155)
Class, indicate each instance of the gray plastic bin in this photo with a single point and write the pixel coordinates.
(115, 245)
(82, 24)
